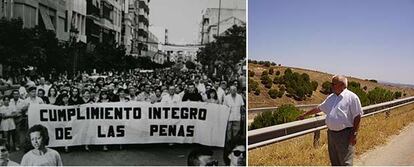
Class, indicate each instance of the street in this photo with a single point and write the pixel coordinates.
(131, 155)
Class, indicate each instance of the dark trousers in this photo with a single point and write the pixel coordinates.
(341, 152)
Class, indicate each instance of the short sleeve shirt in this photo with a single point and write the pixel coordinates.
(341, 110)
(235, 105)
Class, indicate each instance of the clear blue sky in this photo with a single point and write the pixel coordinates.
(369, 39)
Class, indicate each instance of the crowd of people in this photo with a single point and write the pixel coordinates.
(153, 86)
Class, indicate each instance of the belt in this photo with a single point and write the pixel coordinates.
(346, 129)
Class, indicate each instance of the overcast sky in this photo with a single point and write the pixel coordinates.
(369, 39)
(182, 18)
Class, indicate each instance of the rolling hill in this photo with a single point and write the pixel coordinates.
(264, 100)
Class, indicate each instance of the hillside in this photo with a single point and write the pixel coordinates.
(264, 100)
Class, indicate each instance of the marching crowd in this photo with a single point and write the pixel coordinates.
(158, 86)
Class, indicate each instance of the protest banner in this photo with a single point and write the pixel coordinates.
(132, 123)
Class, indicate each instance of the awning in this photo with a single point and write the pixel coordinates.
(46, 20)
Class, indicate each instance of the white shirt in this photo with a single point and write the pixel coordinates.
(235, 105)
(220, 95)
(50, 158)
(201, 88)
(18, 105)
(171, 99)
(341, 110)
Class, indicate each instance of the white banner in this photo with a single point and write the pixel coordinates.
(132, 123)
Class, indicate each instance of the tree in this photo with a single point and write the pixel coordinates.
(283, 114)
(265, 72)
(273, 93)
(251, 73)
(190, 65)
(271, 71)
(229, 49)
(326, 88)
(277, 73)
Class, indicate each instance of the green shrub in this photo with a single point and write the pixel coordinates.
(257, 92)
(251, 73)
(277, 73)
(397, 94)
(271, 71)
(273, 93)
(283, 114)
(314, 85)
(326, 88)
(265, 72)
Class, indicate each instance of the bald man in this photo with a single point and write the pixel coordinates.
(343, 113)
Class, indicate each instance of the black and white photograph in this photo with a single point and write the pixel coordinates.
(123, 82)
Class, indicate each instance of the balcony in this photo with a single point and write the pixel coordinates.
(142, 12)
(143, 26)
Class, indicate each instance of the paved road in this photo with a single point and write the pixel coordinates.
(398, 151)
(132, 155)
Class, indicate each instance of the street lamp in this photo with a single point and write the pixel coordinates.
(73, 36)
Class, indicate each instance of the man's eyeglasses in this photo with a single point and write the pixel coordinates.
(237, 153)
(3, 150)
(212, 163)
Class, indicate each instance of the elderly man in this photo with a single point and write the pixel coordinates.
(343, 114)
(235, 102)
(171, 97)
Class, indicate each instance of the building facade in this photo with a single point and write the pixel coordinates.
(143, 32)
(49, 14)
(210, 22)
(76, 18)
(104, 21)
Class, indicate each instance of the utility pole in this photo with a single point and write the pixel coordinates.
(218, 22)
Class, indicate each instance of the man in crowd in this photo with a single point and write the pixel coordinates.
(192, 94)
(201, 157)
(146, 94)
(18, 104)
(171, 97)
(343, 113)
(235, 102)
(234, 153)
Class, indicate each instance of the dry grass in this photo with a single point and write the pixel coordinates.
(374, 131)
(264, 100)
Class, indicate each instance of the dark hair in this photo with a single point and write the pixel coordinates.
(211, 91)
(48, 93)
(4, 98)
(192, 159)
(59, 99)
(31, 89)
(42, 91)
(43, 132)
(228, 148)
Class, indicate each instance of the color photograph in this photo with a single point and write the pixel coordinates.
(330, 82)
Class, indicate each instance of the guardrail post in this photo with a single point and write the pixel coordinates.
(387, 114)
(316, 136)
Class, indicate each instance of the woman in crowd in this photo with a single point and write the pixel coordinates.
(41, 94)
(40, 155)
(212, 96)
(86, 97)
(75, 98)
(7, 124)
(52, 95)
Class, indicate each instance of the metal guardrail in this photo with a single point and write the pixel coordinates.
(268, 135)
